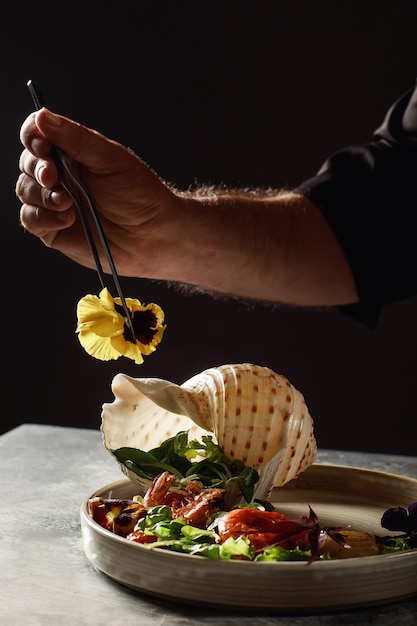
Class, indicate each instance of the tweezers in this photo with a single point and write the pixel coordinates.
(85, 208)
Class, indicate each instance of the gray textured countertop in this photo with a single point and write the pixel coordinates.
(45, 578)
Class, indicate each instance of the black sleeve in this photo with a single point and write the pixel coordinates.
(368, 195)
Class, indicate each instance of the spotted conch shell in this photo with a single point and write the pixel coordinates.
(253, 413)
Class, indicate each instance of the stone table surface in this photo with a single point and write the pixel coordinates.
(45, 578)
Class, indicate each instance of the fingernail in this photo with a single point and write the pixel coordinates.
(56, 197)
(36, 146)
(38, 171)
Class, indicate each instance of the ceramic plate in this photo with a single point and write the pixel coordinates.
(339, 495)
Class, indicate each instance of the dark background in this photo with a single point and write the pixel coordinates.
(245, 93)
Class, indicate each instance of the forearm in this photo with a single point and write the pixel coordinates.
(270, 246)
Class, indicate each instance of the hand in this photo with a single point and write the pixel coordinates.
(274, 246)
(131, 200)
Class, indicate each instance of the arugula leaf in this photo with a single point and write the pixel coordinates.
(276, 553)
(198, 534)
(145, 464)
(266, 505)
(394, 544)
(240, 547)
(247, 479)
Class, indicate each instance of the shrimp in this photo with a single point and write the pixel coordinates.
(157, 492)
(262, 528)
(192, 503)
(162, 491)
(205, 504)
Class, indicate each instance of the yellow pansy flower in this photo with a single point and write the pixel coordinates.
(104, 333)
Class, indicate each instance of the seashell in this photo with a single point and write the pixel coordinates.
(253, 413)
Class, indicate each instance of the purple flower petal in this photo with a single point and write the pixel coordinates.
(412, 512)
(399, 518)
(395, 518)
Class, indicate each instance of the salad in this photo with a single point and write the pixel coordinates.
(200, 503)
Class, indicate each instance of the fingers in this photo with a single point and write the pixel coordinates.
(43, 170)
(32, 138)
(83, 144)
(30, 192)
(45, 224)
(39, 183)
(43, 211)
(43, 129)
(46, 207)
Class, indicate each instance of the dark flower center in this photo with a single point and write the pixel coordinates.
(144, 324)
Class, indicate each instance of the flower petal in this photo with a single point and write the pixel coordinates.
(127, 349)
(412, 512)
(148, 322)
(99, 347)
(103, 326)
(98, 315)
(395, 518)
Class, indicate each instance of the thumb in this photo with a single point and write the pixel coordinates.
(82, 144)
